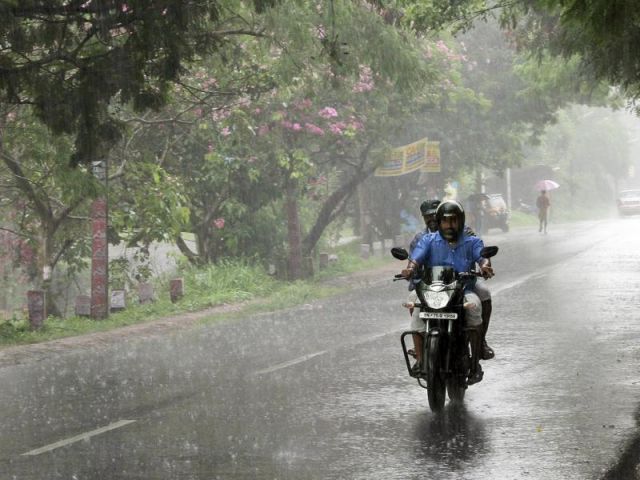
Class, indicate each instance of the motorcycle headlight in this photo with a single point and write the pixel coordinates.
(436, 299)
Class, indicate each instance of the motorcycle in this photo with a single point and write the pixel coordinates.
(447, 358)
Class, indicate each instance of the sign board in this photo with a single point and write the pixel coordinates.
(117, 300)
(402, 160)
(432, 162)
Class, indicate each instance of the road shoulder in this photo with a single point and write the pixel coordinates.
(36, 352)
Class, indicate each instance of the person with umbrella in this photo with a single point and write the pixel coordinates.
(543, 203)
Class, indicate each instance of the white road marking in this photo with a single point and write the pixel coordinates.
(526, 278)
(295, 361)
(77, 438)
(304, 358)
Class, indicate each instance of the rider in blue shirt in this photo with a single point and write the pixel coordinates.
(451, 246)
(428, 210)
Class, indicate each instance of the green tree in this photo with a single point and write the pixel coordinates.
(48, 199)
(600, 35)
(201, 184)
(72, 59)
(235, 151)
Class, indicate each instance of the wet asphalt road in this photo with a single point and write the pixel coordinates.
(321, 391)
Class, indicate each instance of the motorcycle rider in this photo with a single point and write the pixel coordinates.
(452, 246)
(428, 210)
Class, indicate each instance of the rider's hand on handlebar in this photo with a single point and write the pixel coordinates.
(407, 273)
(487, 271)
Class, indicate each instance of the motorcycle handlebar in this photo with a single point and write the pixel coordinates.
(461, 276)
(469, 274)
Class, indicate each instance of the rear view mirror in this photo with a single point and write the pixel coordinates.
(399, 253)
(488, 252)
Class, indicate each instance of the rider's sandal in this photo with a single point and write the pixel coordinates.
(487, 352)
(475, 377)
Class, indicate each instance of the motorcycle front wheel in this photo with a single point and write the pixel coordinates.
(436, 386)
(456, 388)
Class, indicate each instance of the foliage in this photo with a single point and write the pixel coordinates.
(197, 186)
(228, 280)
(337, 121)
(45, 201)
(230, 121)
(72, 59)
(147, 205)
(602, 36)
(235, 142)
(435, 15)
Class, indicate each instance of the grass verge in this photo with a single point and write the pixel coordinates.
(227, 283)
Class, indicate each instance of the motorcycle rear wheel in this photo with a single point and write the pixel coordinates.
(436, 386)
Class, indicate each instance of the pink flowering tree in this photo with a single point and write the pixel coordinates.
(45, 208)
(205, 179)
(333, 134)
(248, 156)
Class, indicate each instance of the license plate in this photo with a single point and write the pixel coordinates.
(438, 315)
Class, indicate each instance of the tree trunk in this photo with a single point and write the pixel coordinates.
(333, 206)
(45, 269)
(293, 232)
(192, 257)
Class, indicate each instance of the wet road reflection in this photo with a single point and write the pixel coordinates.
(451, 441)
(321, 392)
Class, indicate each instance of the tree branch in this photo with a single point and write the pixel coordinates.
(193, 258)
(67, 244)
(15, 233)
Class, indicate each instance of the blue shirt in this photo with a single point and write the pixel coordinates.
(432, 251)
(417, 237)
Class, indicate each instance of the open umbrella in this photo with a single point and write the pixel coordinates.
(546, 185)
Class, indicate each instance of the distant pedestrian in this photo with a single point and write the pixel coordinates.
(543, 203)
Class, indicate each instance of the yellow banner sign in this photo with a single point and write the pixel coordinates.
(405, 159)
(432, 162)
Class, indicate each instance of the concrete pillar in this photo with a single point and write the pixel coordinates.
(118, 300)
(176, 289)
(323, 260)
(309, 269)
(145, 293)
(99, 260)
(507, 177)
(83, 306)
(37, 308)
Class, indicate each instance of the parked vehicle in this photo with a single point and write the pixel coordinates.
(447, 360)
(496, 213)
(629, 202)
(486, 211)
